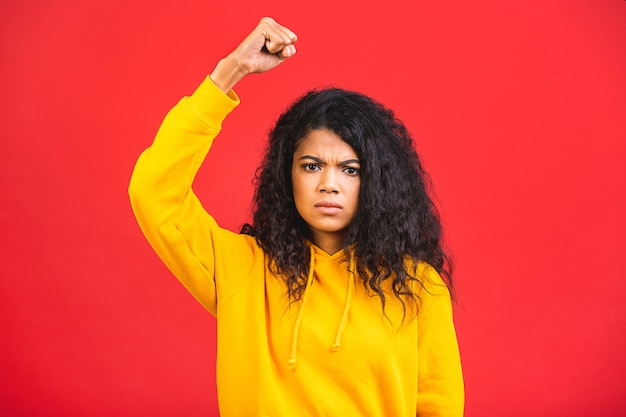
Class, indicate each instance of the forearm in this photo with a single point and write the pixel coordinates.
(227, 73)
(165, 171)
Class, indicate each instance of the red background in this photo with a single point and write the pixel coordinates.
(519, 109)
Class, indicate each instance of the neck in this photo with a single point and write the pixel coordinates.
(330, 243)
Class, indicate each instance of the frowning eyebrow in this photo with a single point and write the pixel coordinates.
(319, 161)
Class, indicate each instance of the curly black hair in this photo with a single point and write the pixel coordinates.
(396, 220)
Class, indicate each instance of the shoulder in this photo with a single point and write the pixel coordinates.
(427, 279)
(433, 295)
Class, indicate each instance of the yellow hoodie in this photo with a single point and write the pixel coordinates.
(333, 353)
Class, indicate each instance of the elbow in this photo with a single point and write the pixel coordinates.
(134, 190)
(139, 189)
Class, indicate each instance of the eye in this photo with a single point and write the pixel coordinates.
(311, 167)
(352, 171)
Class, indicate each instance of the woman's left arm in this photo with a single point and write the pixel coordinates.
(440, 376)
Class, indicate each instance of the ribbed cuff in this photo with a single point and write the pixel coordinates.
(211, 104)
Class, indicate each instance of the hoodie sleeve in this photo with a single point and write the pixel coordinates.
(440, 377)
(170, 215)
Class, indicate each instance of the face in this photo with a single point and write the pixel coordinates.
(326, 180)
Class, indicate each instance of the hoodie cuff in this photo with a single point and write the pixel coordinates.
(210, 103)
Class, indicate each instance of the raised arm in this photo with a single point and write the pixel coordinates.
(170, 215)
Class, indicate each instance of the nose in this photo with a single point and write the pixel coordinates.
(328, 182)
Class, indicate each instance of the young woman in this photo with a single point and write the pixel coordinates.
(332, 302)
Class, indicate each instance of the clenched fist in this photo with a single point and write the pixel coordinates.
(268, 45)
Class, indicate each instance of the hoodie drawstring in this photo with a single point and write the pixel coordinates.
(296, 325)
(346, 309)
(344, 316)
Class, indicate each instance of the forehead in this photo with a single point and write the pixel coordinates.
(323, 142)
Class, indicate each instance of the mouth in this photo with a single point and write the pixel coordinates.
(328, 207)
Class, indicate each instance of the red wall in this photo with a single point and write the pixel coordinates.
(519, 109)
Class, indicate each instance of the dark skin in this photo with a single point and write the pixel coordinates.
(266, 47)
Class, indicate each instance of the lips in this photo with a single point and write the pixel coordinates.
(328, 207)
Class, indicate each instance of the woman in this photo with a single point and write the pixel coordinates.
(331, 303)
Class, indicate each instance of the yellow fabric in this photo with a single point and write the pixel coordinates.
(379, 369)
